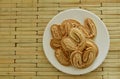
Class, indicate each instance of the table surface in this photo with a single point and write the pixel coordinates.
(22, 23)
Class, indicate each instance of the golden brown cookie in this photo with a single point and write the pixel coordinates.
(90, 53)
(67, 53)
(78, 36)
(68, 44)
(90, 28)
(76, 59)
(91, 43)
(61, 57)
(55, 31)
(83, 59)
(83, 29)
(66, 26)
(55, 44)
(74, 23)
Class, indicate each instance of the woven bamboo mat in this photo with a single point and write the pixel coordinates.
(22, 23)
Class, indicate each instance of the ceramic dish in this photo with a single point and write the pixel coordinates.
(102, 40)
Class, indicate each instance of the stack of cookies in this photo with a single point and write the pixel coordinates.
(73, 42)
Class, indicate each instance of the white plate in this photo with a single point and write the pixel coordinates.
(102, 40)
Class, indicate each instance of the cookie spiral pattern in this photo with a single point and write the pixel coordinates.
(90, 28)
(68, 44)
(77, 35)
(61, 57)
(67, 25)
(56, 34)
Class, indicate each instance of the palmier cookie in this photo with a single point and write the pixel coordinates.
(61, 57)
(68, 44)
(76, 59)
(89, 53)
(55, 31)
(92, 44)
(90, 28)
(78, 36)
(67, 25)
(55, 44)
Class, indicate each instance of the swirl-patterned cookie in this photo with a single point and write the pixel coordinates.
(77, 35)
(89, 53)
(55, 31)
(76, 59)
(90, 28)
(61, 57)
(83, 59)
(55, 44)
(67, 25)
(68, 44)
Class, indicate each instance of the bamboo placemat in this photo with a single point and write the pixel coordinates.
(22, 23)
